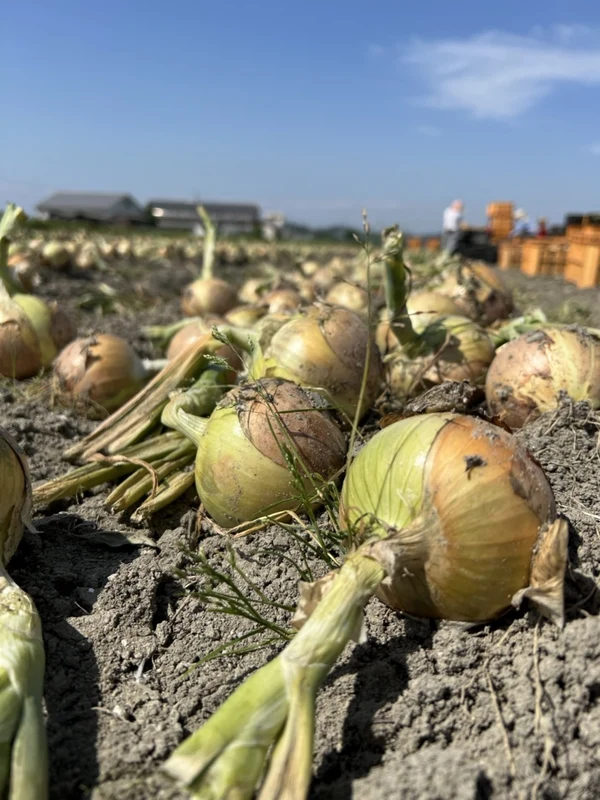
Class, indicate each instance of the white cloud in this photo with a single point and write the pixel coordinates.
(429, 130)
(595, 149)
(498, 75)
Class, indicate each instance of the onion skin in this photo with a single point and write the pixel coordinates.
(479, 290)
(101, 370)
(208, 296)
(280, 301)
(348, 296)
(193, 333)
(463, 507)
(424, 307)
(245, 316)
(528, 374)
(240, 470)
(15, 497)
(20, 352)
(326, 350)
(457, 349)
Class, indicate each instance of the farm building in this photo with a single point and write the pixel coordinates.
(93, 207)
(228, 218)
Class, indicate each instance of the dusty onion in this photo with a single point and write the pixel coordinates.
(348, 295)
(101, 370)
(424, 307)
(23, 755)
(457, 521)
(479, 290)
(326, 350)
(208, 296)
(242, 464)
(528, 374)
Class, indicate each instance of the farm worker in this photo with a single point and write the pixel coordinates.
(542, 231)
(522, 226)
(451, 226)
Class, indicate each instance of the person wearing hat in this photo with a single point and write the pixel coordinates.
(522, 226)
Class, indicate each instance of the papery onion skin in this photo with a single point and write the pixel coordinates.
(15, 496)
(20, 352)
(464, 504)
(480, 291)
(193, 333)
(459, 350)
(281, 301)
(326, 350)
(245, 316)
(528, 374)
(101, 370)
(424, 307)
(208, 296)
(348, 296)
(241, 473)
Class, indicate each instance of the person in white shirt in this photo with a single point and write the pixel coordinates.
(451, 227)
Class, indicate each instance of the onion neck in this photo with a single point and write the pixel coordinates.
(186, 412)
(10, 219)
(397, 288)
(210, 238)
(276, 705)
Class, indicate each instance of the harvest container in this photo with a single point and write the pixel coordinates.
(510, 252)
(583, 261)
(544, 256)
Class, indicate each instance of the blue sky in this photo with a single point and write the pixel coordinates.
(316, 108)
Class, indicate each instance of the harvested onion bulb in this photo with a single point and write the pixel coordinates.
(456, 520)
(208, 296)
(528, 374)
(24, 760)
(98, 371)
(246, 446)
(327, 350)
(479, 290)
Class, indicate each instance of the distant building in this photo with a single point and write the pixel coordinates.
(293, 232)
(230, 219)
(93, 207)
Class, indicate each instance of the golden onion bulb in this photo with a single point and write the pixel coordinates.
(15, 496)
(55, 255)
(528, 375)
(54, 328)
(20, 351)
(208, 296)
(326, 350)
(479, 290)
(245, 316)
(245, 449)
(280, 301)
(457, 511)
(348, 295)
(424, 307)
(456, 349)
(98, 371)
(191, 334)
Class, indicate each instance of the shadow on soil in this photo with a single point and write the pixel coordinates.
(64, 570)
(381, 677)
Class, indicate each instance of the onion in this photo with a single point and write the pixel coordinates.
(457, 521)
(425, 307)
(53, 327)
(327, 350)
(348, 296)
(186, 336)
(309, 268)
(253, 289)
(24, 763)
(245, 448)
(101, 370)
(460, 508)
(528, 375)
(20, 352)
(191, 334)
(208, 296)
(323, 279)
(479, 291)
(456, 349)
(26, 273)
(245, 316)
(55, 255)
(281, 301)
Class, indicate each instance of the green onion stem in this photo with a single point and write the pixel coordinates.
(396, 287)
(23, 751)
(210, 239)
(276, 705)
